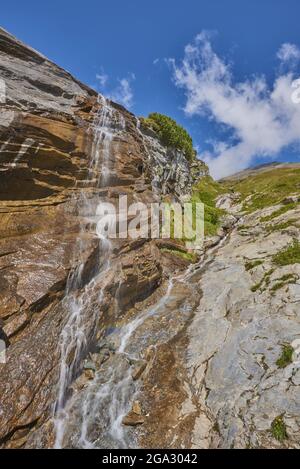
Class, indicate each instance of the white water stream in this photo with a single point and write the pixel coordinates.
(78, 329)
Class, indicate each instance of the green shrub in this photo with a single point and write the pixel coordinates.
(170, 133)
(251, 264)
(286, 356)
(265, 280)
(284, 280)
(281, 226)
(278, 429)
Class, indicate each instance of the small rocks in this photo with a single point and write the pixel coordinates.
(134, 417)
(226, 201)
(136, 408)
(228, 221)
(292, 199)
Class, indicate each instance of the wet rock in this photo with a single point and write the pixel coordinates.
(136, 408)
(134, 417)
(138, 369)
(89, 365)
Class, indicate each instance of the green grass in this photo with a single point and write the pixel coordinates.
(243, 227)
(286, 356)
(170, 133)
(289, 255)
(281, 226)
(187, 256)
(251, 264)
(280, 211)
(265, 281)
(284, 280)
(267, 188)
(206, 191)
(278, 429)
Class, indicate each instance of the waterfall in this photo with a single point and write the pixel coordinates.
(93, 416)
(79, 328)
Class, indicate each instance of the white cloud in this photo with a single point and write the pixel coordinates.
(155, 61)
(102, 78)
(262, 120)
(123, 93)
(289, 53)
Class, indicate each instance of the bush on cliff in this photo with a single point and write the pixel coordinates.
(170, 133)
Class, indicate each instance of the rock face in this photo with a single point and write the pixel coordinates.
(47, 136)
(169, 170)
(250, 305)
(237, 361)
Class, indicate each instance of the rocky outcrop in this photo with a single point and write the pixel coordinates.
(169, 170)
(48, 125)
(235, 364)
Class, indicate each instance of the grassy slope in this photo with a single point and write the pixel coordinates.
(267, 188)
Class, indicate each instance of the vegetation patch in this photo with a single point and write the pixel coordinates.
(290, 255)
(278, 429)
(251, 264)
(243, 227)
(265, 281)
(281, 226)
(284, 280)
(280, 211)
(187, 256)
(170, 133)
(267, 188)
(206, 191)
(286, 357)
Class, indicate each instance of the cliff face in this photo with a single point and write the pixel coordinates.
(47, 137)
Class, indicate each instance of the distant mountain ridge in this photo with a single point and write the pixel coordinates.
(251, 171)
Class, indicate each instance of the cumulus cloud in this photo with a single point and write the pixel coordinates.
(289, 53)
(262, 120)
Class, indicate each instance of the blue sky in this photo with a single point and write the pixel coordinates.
(237, 60)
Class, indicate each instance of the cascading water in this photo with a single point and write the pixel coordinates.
(99, 409)
(79, 329)
(93, 416)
